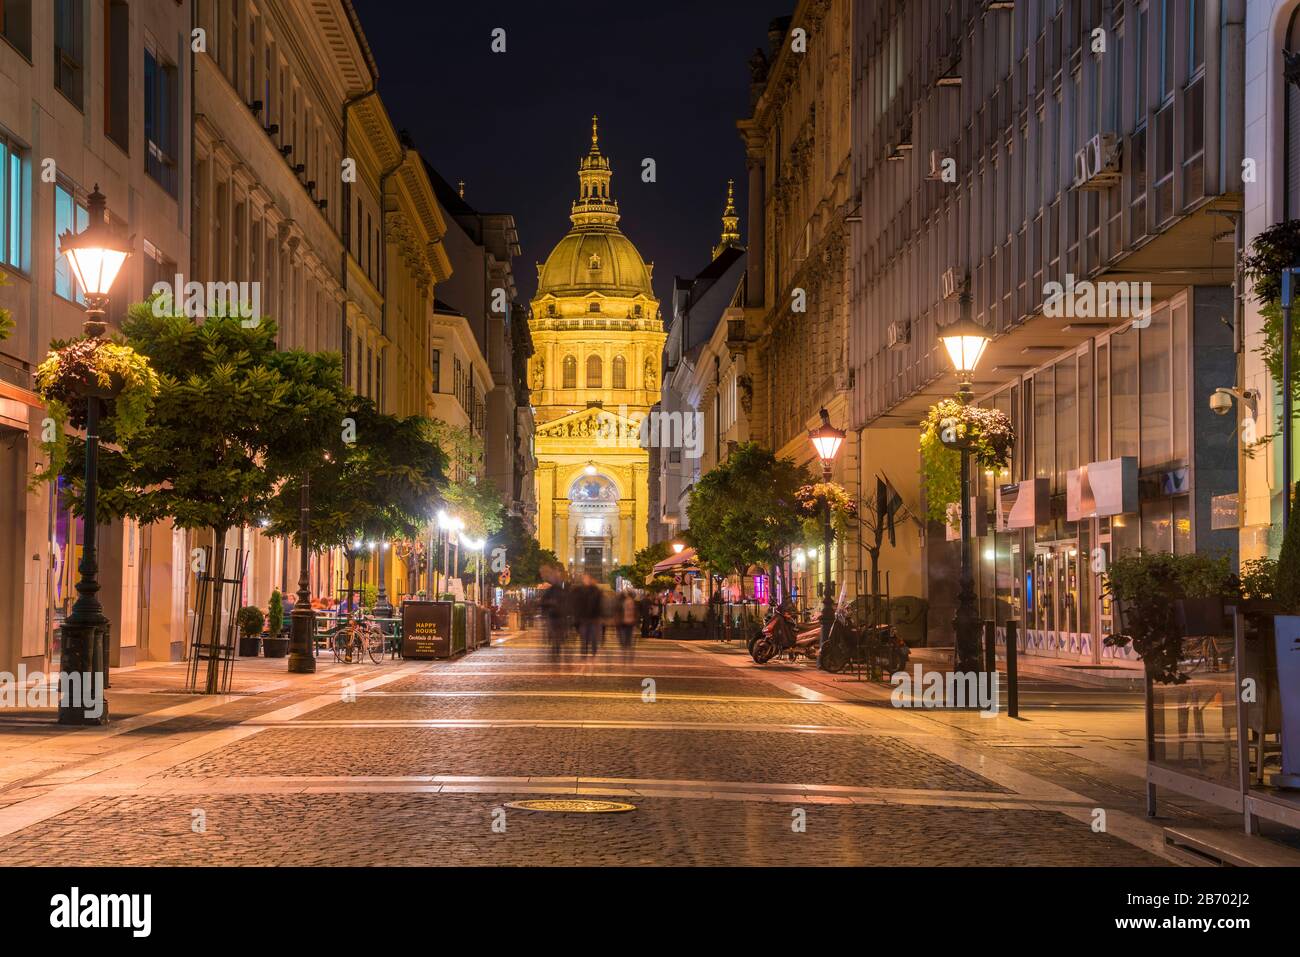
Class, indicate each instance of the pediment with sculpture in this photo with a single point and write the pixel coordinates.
(598, 425)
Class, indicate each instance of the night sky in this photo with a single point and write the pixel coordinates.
(668, 79)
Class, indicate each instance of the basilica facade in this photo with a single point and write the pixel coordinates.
(598, 339)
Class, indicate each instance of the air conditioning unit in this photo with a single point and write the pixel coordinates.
(951, 287)
(937, 159)
(899, 333)
(1097, 165)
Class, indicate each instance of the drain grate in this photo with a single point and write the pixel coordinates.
(573, 806)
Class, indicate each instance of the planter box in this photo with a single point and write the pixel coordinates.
(275, 647)
(249, 646)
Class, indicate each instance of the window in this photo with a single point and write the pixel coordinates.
(1167, 48)
(620, 373)
(160, 120)
(70, 215)
(437, 370)
(570, 372)
(347, 360)
(1195, 37)
(157, 267)
(593, 372)
(16, 24)
(117, 74)
(13, 233)
(68, 55)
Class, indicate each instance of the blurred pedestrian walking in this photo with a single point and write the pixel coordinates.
(553, 601)
(626, 614)
(588, 613)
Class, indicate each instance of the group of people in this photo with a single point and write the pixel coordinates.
(589, 608)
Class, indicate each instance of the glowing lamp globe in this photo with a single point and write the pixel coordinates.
(826, 439)
(96, 254)
(965, 341)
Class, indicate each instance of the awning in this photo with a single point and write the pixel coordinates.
(678, 561)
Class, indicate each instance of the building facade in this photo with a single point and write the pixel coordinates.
(1070, 172)
(598, 339)
(701, 383)
(1271, 119)
(794, 328)
(90, 94)
(480, 295)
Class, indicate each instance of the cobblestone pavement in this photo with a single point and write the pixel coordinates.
(412, 762)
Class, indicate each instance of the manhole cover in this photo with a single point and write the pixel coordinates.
(573, 806)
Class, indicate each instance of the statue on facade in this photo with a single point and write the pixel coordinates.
(649, 375)
(539, 374)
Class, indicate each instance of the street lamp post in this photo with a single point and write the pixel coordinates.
(95, 256)
(383, 607)
(826, 439)
(965, 341)
(302, 620)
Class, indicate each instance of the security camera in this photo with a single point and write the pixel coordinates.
(1221, 400)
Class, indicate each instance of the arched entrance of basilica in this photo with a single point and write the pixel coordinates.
(594, 525)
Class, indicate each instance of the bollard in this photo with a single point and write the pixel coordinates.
(1013, 685)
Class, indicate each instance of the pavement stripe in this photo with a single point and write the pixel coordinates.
(556, 723)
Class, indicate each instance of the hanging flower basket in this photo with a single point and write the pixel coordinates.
(812, 498)
(949, 428)
(87, 370)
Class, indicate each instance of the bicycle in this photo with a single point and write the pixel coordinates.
(349, 640)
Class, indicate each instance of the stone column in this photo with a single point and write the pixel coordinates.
(755, 260)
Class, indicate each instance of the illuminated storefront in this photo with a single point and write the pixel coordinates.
(1125, 417)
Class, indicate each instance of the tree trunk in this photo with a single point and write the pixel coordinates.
(212, 685)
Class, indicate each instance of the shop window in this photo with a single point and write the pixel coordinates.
(1044, 414)
(1124, 393)
(1067, 420)
(1156, 405)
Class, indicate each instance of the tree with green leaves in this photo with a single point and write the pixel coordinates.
(521, 551)
(643, 564)
(233, 418)
(745, 511)
(377, 479)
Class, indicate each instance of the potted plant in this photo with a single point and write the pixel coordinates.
(275, 623)
(276, 642)
(250, 623)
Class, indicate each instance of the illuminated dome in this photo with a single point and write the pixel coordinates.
(587, 261)
(594, 257)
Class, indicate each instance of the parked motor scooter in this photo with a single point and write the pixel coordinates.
(782, 635)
